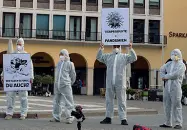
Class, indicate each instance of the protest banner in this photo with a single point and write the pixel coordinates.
(17, 72)
(115, 26)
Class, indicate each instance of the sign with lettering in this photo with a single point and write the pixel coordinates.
(115, 26)
(17, 72)
(179, 35)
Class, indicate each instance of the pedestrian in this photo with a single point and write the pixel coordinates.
(173, 73)
(65, 77)
(23, 95)
(116, 63)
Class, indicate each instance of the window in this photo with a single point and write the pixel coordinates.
(25, 26)
(91, 29)
(154, 3)
(75, 28)
(59, 23)
(139, 2)
(107, 1)
(154, 31)
(42, 26)
(8, 24)
(138, 30)
(123, 2)
(91, 1)
(78, 1)
(43, 1)
(59, 1)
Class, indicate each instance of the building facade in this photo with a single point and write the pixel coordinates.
(48, 26)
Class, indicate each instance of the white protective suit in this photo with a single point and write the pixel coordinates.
(23, 95)
(174, 72)
(65, 77)
(116, 80)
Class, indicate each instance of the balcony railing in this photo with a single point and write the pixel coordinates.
(76, 35)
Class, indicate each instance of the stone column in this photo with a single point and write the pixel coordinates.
(115, 3)
(128, 71)
(160, 83)
(34, 25)
(83, 28)
(17, 17)
(51, 5)
(67, 26)
(152, 78)
(90, 73)
(1, 17)
(1, 3)
(50, 25)
(67, 5)
(100, 4)
(17, 4)
(83, 5)
(35, 4)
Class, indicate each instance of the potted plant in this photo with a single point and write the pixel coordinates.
(36, 85)
(145, 94)
(47, 80)
(131, 94)
(184, 93)
(37, 80)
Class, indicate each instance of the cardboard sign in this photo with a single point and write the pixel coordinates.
(17, 72)
(115, 26)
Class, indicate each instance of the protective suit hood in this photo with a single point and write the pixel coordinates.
(21, 41)
(178, 53)
(65, 53)
(20, 45)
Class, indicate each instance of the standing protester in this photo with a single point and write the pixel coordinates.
(173, 73)
(65, 76)
(116, 63)
(23, 95)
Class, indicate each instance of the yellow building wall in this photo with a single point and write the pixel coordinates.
(151, 54)
(175, 20)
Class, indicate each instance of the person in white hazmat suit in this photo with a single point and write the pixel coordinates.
(65, 77)
(173, 73)
(116, 63)
(23, 95)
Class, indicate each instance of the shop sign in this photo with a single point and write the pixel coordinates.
(177, 35)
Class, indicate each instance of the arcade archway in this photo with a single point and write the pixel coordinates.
(99, 77)
(140, 73)
(1, 66)
(43, 65)
(79, 87)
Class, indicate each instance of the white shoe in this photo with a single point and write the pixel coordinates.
(69, 120)
(22, 118)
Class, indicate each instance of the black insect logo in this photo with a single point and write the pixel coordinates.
(16, 63)
(17, 67)
(114, 20)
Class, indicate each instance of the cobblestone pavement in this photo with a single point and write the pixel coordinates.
(91, 123)
(89, 103)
